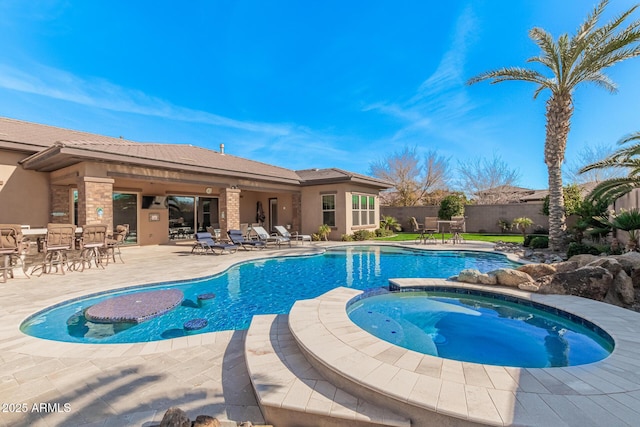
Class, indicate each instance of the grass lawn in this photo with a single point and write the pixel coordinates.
(511, 238)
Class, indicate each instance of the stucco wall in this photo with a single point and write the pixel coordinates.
(311, 199)
(478, 217)
(24, 195)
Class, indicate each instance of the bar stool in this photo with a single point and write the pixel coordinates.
(114, 243)
(93, 245)
(60, 239)
(12, 248)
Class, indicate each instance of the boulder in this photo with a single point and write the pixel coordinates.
(609, 263)
(621, 292)
(635, 277)
(487, 279)
(175, 417)
(628, 262)
(471, 275)
(537, 270)
(510, 277)
(583, 259)
(587, 282)
(529, 287)
(566, 266)
(206, 421)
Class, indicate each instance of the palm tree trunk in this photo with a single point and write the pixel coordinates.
(559, 111)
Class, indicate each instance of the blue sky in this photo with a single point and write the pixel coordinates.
(304, 84)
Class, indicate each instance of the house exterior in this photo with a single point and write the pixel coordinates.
(54, 175)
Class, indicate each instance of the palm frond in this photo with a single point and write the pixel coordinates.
(551, 51)
(613, 189)
(631, 137)
(512, 73)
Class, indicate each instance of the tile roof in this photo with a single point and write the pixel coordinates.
(55, 147)
(38, 135)
(326, 176)
(172, 156)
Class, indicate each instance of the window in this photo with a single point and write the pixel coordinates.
(329, 209)
(363, 210)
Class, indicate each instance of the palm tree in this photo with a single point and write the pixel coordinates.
(626, 158)
(628, 221)
(571, 60)
(522, 224)
(389, 223)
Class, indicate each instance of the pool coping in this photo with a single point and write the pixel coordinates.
(476, 393)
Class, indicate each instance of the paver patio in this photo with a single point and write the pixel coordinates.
(130, 384)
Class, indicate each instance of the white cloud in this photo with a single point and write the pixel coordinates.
(99, 93)
(441, 102)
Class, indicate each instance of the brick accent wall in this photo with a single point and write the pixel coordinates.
(296, 212)
(60, 202)
(95, 194)
(229, 209)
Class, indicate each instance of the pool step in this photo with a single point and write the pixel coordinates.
(291, 393)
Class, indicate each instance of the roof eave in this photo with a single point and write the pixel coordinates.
(57, 157)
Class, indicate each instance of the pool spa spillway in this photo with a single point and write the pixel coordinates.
(480, 327)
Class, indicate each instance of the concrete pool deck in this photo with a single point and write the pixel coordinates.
(134, 384)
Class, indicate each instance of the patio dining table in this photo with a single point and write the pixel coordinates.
(442, 222)
(41, 233)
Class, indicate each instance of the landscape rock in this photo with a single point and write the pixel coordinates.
(529, 287)
(537, 270)
(566, 266)
(627, 263)
(583, 259)
(635, 277)
(471, 275)
(175, 417)
(206, 421)
(609, 263)
(587, 282)
(621, 292)
(487, 279)
(510, 277)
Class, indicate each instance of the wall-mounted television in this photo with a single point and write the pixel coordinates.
(154, 202)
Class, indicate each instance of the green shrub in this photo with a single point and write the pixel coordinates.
(346, 238)
(362, 235)
(381, 232)
(540, 242)
(580, 248)
(529, 237)
(452, 205)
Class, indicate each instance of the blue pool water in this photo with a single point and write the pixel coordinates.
(259, 287)
(479, 329)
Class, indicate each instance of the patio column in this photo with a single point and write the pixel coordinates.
(95, 201)
(60, 202)
(229, 209)
(296, 212)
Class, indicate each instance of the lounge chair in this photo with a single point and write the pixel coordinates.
(268, 239)
(236, 238)
(292, 236)
(205, 243)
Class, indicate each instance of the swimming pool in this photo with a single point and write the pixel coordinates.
(480, 327)
(268, 286)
